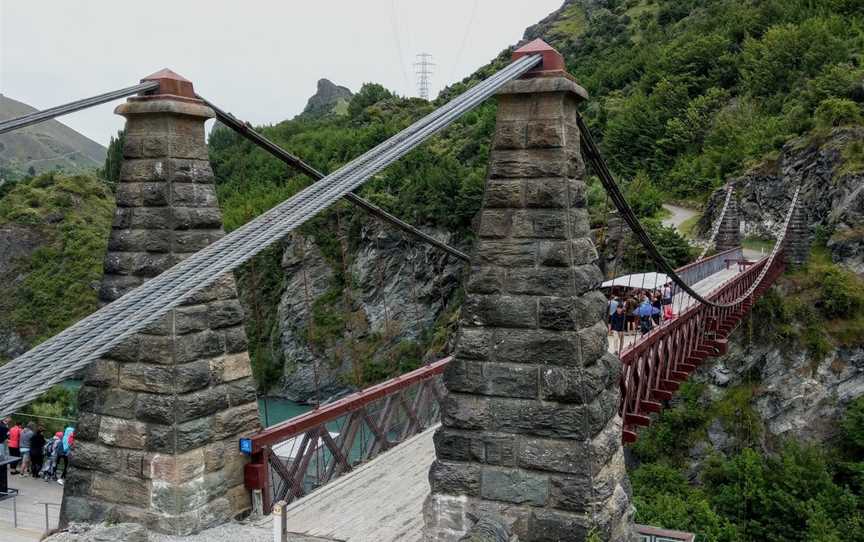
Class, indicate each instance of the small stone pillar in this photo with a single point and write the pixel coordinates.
(161, 414)
(797, 240)
(530, 430)
(729, 234)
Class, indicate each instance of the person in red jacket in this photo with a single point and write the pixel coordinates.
(14, 443)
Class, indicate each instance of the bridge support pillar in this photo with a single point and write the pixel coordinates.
(798, 238)
(729, 234)
(530, 430)
(160, 415)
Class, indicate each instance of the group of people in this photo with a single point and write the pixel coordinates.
(40, 456)
(639, 311)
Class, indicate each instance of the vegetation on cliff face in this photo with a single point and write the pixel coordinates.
(58, 282)
(800, 492)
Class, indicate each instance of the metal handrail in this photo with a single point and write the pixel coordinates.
(47, 504)
(13, 495)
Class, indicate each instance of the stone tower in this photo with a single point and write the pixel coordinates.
(729, 234)
(160, 416)
(797, 243)
(530, 431)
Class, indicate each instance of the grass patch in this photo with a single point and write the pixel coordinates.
(758, 244)
(688, 227)
(571, 23)
(853, 158)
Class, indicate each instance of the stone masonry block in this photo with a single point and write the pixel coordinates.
(474, 343)
(485, 280)
(148, 240)
(465, 411)
(511, 253)
(580, 223)
(120, 489)
(507, 380)
(552, 455)
(503, 193)
(193, 195)
(572, 492)
(529, 417)
(540, 281)
(176, 469)
(237, 420)
(225, 313)
(455, 478)
(181, 437)
(545, 133)
(546, 193)
(555, 526)
(145, 194)
(122, 433)
(514, 486)
(502, 311)
(539, 224)
(554, 254)
(583, 251)
(203, 344)
(195, 218)
(537, 346)
(495, 223)
(510, 135)
(558, 313)
(534, 163)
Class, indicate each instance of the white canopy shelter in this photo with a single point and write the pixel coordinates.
(650, 281)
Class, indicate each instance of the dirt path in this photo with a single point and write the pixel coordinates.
(679, 215)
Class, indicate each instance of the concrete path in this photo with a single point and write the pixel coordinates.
(382, 501)
(680, 303)
(31, 515)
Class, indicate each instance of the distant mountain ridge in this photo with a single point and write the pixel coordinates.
(46, 145)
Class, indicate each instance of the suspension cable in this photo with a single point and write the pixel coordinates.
(245, 130)
(592, 153)
(65, 354)
(48, 114)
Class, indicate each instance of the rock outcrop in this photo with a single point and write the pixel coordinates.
(830, 169)
(327, 99)
(399, 289)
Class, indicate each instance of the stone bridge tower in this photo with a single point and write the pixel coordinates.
(160, 416)
(729, 234)
(530, 431)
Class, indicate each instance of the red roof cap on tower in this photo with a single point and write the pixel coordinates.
(552, 59)
(171, 83)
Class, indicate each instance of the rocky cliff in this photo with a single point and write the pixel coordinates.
(829, 165)
(328, 98)
(334, 336)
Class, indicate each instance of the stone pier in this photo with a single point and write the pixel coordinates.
(160, 416)
(729, 234)
(530, 431)
(797, 243)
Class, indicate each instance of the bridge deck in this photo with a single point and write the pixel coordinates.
(683, 301)
(381, 501)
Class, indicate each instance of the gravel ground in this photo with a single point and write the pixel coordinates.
(230, 532)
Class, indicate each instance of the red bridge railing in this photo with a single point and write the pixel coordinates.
(301, 454)
(654, 368)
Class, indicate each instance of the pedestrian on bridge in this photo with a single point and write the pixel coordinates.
(4, 436)
(37, 445)
(24, 445)
(617, 325)
(14, 443)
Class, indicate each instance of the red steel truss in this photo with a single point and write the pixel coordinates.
(654, 368)
(293, 458)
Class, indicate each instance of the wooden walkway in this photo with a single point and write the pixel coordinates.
(381, 501)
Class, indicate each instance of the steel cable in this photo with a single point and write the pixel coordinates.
(241, 235)
(299, 164)
(54, 112)
(593, 154)
(68, 352)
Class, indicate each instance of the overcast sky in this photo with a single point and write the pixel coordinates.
(258, 59)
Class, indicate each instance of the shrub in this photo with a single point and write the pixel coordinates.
(837, 112)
